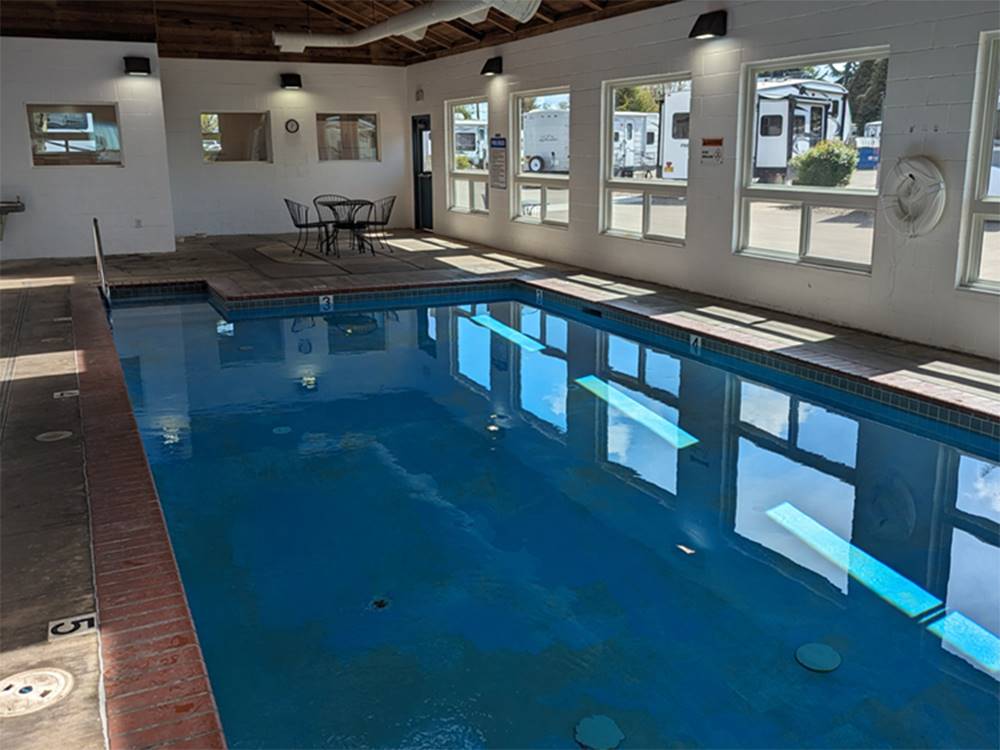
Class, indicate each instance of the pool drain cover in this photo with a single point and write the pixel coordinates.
(598, 733)
(379, 603)
(817, 657)
(30, 691)
(51, 437)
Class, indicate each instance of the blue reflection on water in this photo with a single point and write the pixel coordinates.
(631, 408)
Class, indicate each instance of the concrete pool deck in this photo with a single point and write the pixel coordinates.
(87, 503)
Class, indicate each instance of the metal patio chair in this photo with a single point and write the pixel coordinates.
(380, 215)
(300, 220)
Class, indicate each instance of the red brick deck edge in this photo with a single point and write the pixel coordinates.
(154, 678)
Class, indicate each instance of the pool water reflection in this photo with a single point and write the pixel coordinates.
(567, 522)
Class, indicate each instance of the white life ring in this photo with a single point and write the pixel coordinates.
(915, 196)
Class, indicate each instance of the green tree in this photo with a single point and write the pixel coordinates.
(865, 84)
(637, 98)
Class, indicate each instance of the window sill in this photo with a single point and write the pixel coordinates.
(528, 221)
(669, 241)
(990, 289)
(794, 260)
(468, 211)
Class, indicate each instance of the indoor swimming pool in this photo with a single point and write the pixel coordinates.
(475, 525)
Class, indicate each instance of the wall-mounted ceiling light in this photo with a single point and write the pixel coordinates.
(709, 25)
(291, 81)
(492, 67)
(137, 66)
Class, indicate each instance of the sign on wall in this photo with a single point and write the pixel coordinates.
(498, 162)
(711, 151)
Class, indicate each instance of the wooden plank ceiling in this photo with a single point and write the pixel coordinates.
(241, 29)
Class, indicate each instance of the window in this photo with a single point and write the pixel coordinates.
(645, 163)
(809, 195)
(347, 137)
(770, 125)
(468, 143)
(71, 134)
(235, 136)
(981, 206)
(541, 181)
(680, 126)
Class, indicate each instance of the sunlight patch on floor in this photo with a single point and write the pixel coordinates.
(476, 264)
(519, 262)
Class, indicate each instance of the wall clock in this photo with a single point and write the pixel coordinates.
(292, 126)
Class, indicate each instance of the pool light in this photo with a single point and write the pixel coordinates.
(525, 342)
(634, 410)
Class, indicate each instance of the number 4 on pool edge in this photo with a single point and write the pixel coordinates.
(78, 625)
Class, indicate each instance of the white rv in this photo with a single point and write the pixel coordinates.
(792, 116)
(471, 141)
(635, 142)
(546, 141)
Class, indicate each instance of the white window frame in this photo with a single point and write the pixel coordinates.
(473, 176)
(808, 197)
(648, 188)
(977, 207)
(540, 180)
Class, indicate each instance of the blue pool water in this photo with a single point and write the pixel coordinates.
(475, 525)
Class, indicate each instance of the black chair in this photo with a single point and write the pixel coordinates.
(380, 214)
(329, 217)
(300, 220)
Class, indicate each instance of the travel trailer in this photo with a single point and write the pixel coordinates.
(635, 142)
(471, 141)
(546, 141)
(792, 116)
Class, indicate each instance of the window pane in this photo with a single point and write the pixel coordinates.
(841, 234)
(543, 387)
(347, 137)
(474, 352)
(529, 201)
(557, 205)
(634, 446)
(469, 122)
(667, 216)
(544, 140)
(235, 136)
(775, 226)
(626, 212)
(649, 131)
(993, 181)
(979, 488)
(836, 124)
(989, 257)
(480, 196)
(827, 434)
(765, 408)
(460, 194)
(74, 134)
(623, 356)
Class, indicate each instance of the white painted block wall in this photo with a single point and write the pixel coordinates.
(132, 201)
(246, 197)
(911, 291)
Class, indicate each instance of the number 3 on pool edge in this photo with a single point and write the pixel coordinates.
(325, 302)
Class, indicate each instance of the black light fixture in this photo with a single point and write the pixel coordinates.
(709, 25)
(492, 67)
(137, 66)
(291, 81)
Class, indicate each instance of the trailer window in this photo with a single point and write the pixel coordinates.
(680, 126)
(771, 125)
(467, 148)
(799, 125)
(541, 191)
(645, 179)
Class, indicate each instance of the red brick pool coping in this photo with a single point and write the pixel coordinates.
(156, 686)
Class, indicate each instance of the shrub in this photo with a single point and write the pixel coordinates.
(828, 163)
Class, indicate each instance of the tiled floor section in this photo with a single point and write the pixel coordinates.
(155, 681)
(157, 688)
